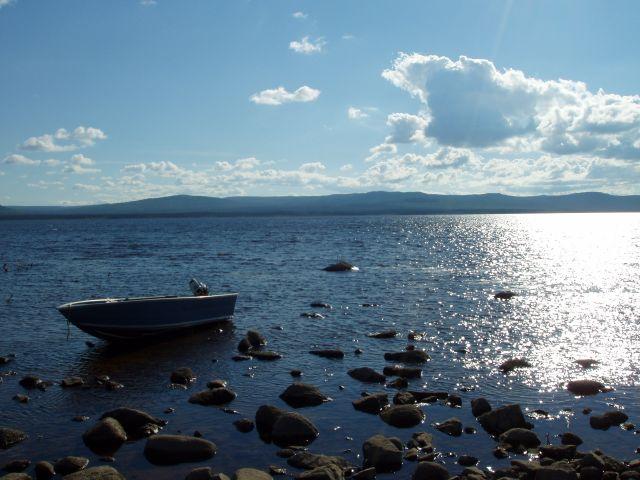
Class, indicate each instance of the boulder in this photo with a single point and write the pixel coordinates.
(183, 376)
(607, 419)
(309, 461)
(467, 460)
(371, 403)
(585, 387)
(410, 356)
(266, 417)
(303, 395)
(403, 398)
(421, 440)
(366, 374)
(10, 437)
(292, 428)
(514, 363)
(202, 473)
(70, 464)
(174, 449)
(398, 383)
(383, 334)
(480, 406)
(430, 471)
(17, 465)
(44, 471)
(136, 423)
(498, 421)
(516, 439)
(328, 353)
(244, 345)
(382, 453)
(214, 396)
(96, 473)
(105, 437)
(251, 474)
(452, 427)
(558, 452)
(405, 372)
(402, 416)
(569, 438)
(256, 339)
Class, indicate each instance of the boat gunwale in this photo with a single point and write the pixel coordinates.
(124, 300)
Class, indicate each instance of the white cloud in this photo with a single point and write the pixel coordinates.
(247, 163)
(63, 140)
(406, 128)
(313, 167)
(381, 151)
(307, 47)
(17, 159)
(470, 103)
(299, 15)
(87, 188)
(356, 114)
(4, 3)
(148, 3)
(51, 162)
(347, 167)
(348, 36)
(280, 95)
(80, 165)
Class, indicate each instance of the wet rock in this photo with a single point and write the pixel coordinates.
(30, 382)
(587, 362)
(429, 397)
(421, 441)
(174, 449)
(590, 473)
(499, 452)
(558, 452)
(244, 346)
(405, 372)
(430, 471)
(214, 396)
(15, 476)
(454, 401)
(256, 339)
(328, 353)
(364, 474)
(516, 439)
(403, 398)
(244, 425)
(321, 305)
(366, 374)
(382, 453)
(452, 427)
(514, 363)
(384, 334)
(183, 376)
(105, 437)
(312, 315)
(240, 358)
(501, 419)
(411, 356)
(295, 373)
(504, 295)
(309, 461)
(80, 418)
(569, 438)
(10, 437)
(341, 266)
(220, 476)
(555, 473)
(71, 382)
(251, 474)
(585, 387)
(275, 470)
(402, 416)
(20, 398)
(607, 419)
(112, 385)
(216, 384)
(371, 403)
(70, 464)
(292, 428)
(358, 351)
(266, 417)
(136, 423)
(44, 471)
(398, 383)
(265, 355)
(96, 473)
(328, 472)
(202, 473)
(467, 460)
(17, 465)
(480, 406)
(303, 395)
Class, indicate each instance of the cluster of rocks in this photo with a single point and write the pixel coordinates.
(252, 346)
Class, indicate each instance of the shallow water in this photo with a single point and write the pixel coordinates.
(577, 275)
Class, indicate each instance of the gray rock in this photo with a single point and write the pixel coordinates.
(256, 339)
(303, 395)
(70, 464)
(402, 416)
(44, 471)
(105, 437)
(174, 449)
(328, 353)
(96, 473)
(411, 356)
(585, 387)
(382, 453)
(480, 406)
(213, 396)
(430, 471)
(452, 427)
(366, 374)
(371, 403)
(292, 428)
(405, 372)
(266, 417)
(202, 473)
(502, 419)
(607, 419)
(136, 423)
(183, 376)
(515, 439)
(251, 474)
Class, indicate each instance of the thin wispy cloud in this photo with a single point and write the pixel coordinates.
(356, 113)
(299, 15)
(4, 3)
(279, 96)
(306, 46)
(148, 3)
(63, 140)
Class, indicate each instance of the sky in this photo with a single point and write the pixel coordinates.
(115, 100)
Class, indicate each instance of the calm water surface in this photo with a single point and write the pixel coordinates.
(578, 279)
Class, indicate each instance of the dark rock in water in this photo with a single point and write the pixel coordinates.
(514, 363)
(358, 351)
(382, 453)
(183, 376)
(506, 295)
(265, 355)
(501, 419)
(72, 382)
(292, 428)
(366, 374)
(430, 471)
(251, 474)
(454, 401)
(467, 460)
(585, 387)
(174, 449)
(328, 472)
(310, 461)
(421, 440)
(500, 452)
(5, 359)
(96, 473)
(105, 437)
(555, 473)
(364, 474)
(371, 403)
(328, 353)
(591, 473)
(68, 465)
(244, 346)
(429, 397)
(405, 372)
(341, 266)
(593, 459)
(295, 373)
(256, 339)
(202, 473)
(10, 437)
(587, 362)
(136, 423)
(44, 471)
(321, 305)
(452, 427)
(516, 439)
(403, 398)
(30, 382)
(558, 452)
(312, 315)
(569, 438)
(17, 465)
(266, 417)
(217, 384)
(384, 334)
(244, 425)
(80, 418)
(411, 356)
(402, 416)
(469, 430)
(607, 419)
(240, 358)
(303, 395)
(213, 396)
(398, 383)
(21, 398)
(112, 385)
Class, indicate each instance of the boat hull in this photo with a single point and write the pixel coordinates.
(128, 319)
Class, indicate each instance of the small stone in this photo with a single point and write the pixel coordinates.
(366, 374)
(80, 418)
(105, 437)
(412, 356)
(358, 351)
(216, 384)
(430, 471)
(20, 398)
(303, 395)
(244, 425)
(183, 376)
(136, 423)
(558, 452)
(328, 353)
(244, 346)
(68, 465)
(17, 465)
(202, 473)
(214, 396)
(321, 305)
(295, 373)
(384, 334)
(72, 382)
(452, 427)
(312, 315)
(454, 401)
(403, 398)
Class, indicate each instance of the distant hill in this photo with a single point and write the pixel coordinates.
(343, 204)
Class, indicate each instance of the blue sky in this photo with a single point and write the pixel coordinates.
(115, 100)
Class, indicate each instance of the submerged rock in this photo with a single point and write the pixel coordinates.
(502, 419)
(309, 461)
(266, 355)
(366, 374)
(341, 266)
(328, 353)
(174, 449)
(405, 372)
(136, 423)
(403, 398)
(398, 383)
(480, 406)
(105, 437)
(20, 398)
(410, 356)
(213, 396)
(402, 416)
(303, 395)
(430, 471)
(452, 427)
(30, 382)
(10, 437)
(312, 315)
(70, 382)
(371, 403)
(202, 473)
(217, 384)
(514, 363)
(585, 387)
(382, 453)
(183, 376)
(504, 295)
(384, 334)
(320, 305)
(244, 425)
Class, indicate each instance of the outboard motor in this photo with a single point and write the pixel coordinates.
(198, 288)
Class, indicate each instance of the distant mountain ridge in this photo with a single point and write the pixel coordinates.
(402, 203)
